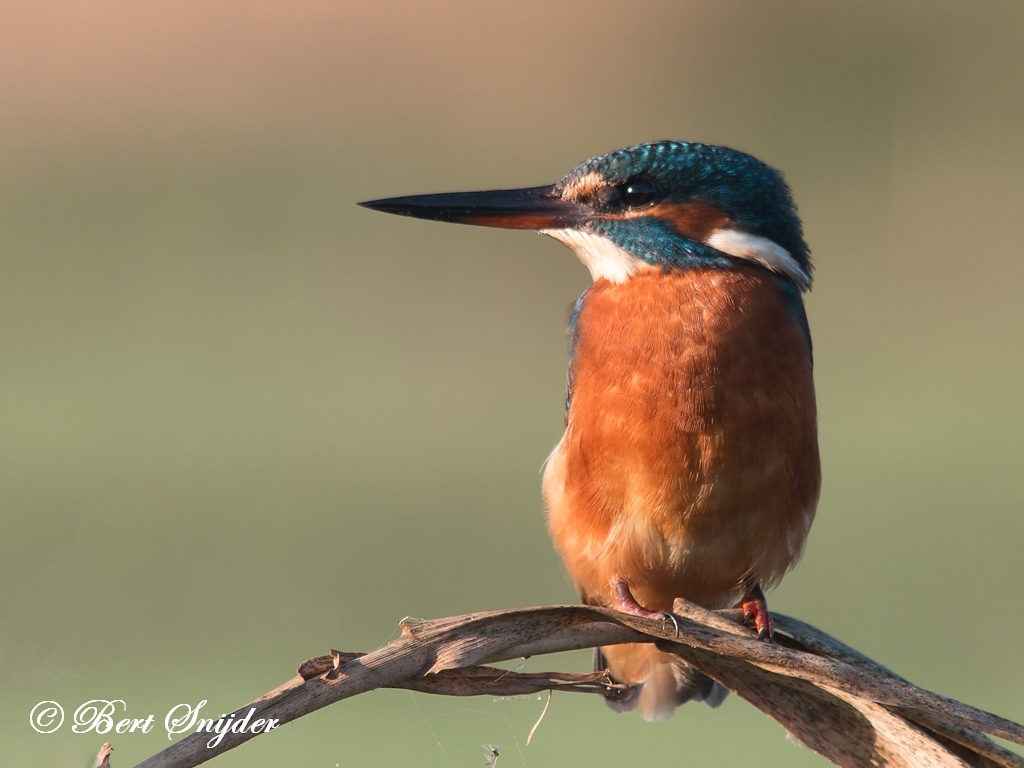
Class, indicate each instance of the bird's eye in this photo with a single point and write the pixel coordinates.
(638, 192)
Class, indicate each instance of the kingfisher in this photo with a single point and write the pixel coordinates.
(689, 464)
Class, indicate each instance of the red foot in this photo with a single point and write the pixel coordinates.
(755, 613)
(625, 602)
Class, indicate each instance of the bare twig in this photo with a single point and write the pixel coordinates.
(833, 699)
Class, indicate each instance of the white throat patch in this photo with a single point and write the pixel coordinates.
(600, 255)
(760, 250)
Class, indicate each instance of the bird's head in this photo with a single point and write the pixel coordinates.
(661, 205)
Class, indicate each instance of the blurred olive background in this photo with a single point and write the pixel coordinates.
(243, 421)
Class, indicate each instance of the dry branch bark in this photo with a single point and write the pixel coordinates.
(835, 700)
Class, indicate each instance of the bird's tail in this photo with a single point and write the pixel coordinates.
(657, 682)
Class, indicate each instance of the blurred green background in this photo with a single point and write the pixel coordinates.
(243, 421)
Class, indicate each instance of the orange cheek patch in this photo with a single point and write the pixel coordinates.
(695, 221)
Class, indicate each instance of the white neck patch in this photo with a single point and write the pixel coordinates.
(607, 260)
(760, 250)
(600, 255)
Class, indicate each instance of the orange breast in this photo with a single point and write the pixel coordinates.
(690, 458)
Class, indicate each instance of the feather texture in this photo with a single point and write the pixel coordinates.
(689, 465)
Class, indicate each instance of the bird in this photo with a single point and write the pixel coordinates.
(689, 465)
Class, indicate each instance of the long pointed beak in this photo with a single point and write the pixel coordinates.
(530, 208)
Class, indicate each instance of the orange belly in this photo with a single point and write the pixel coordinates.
(689, 464)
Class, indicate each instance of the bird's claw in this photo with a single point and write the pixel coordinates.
(625, 602)
(667, 617)
(756, 616)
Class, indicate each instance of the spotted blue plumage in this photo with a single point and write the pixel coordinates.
(656, 242)
(753, 195)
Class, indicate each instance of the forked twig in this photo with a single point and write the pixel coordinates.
(836, 701)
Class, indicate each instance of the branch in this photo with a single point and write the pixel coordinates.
(836, 701)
